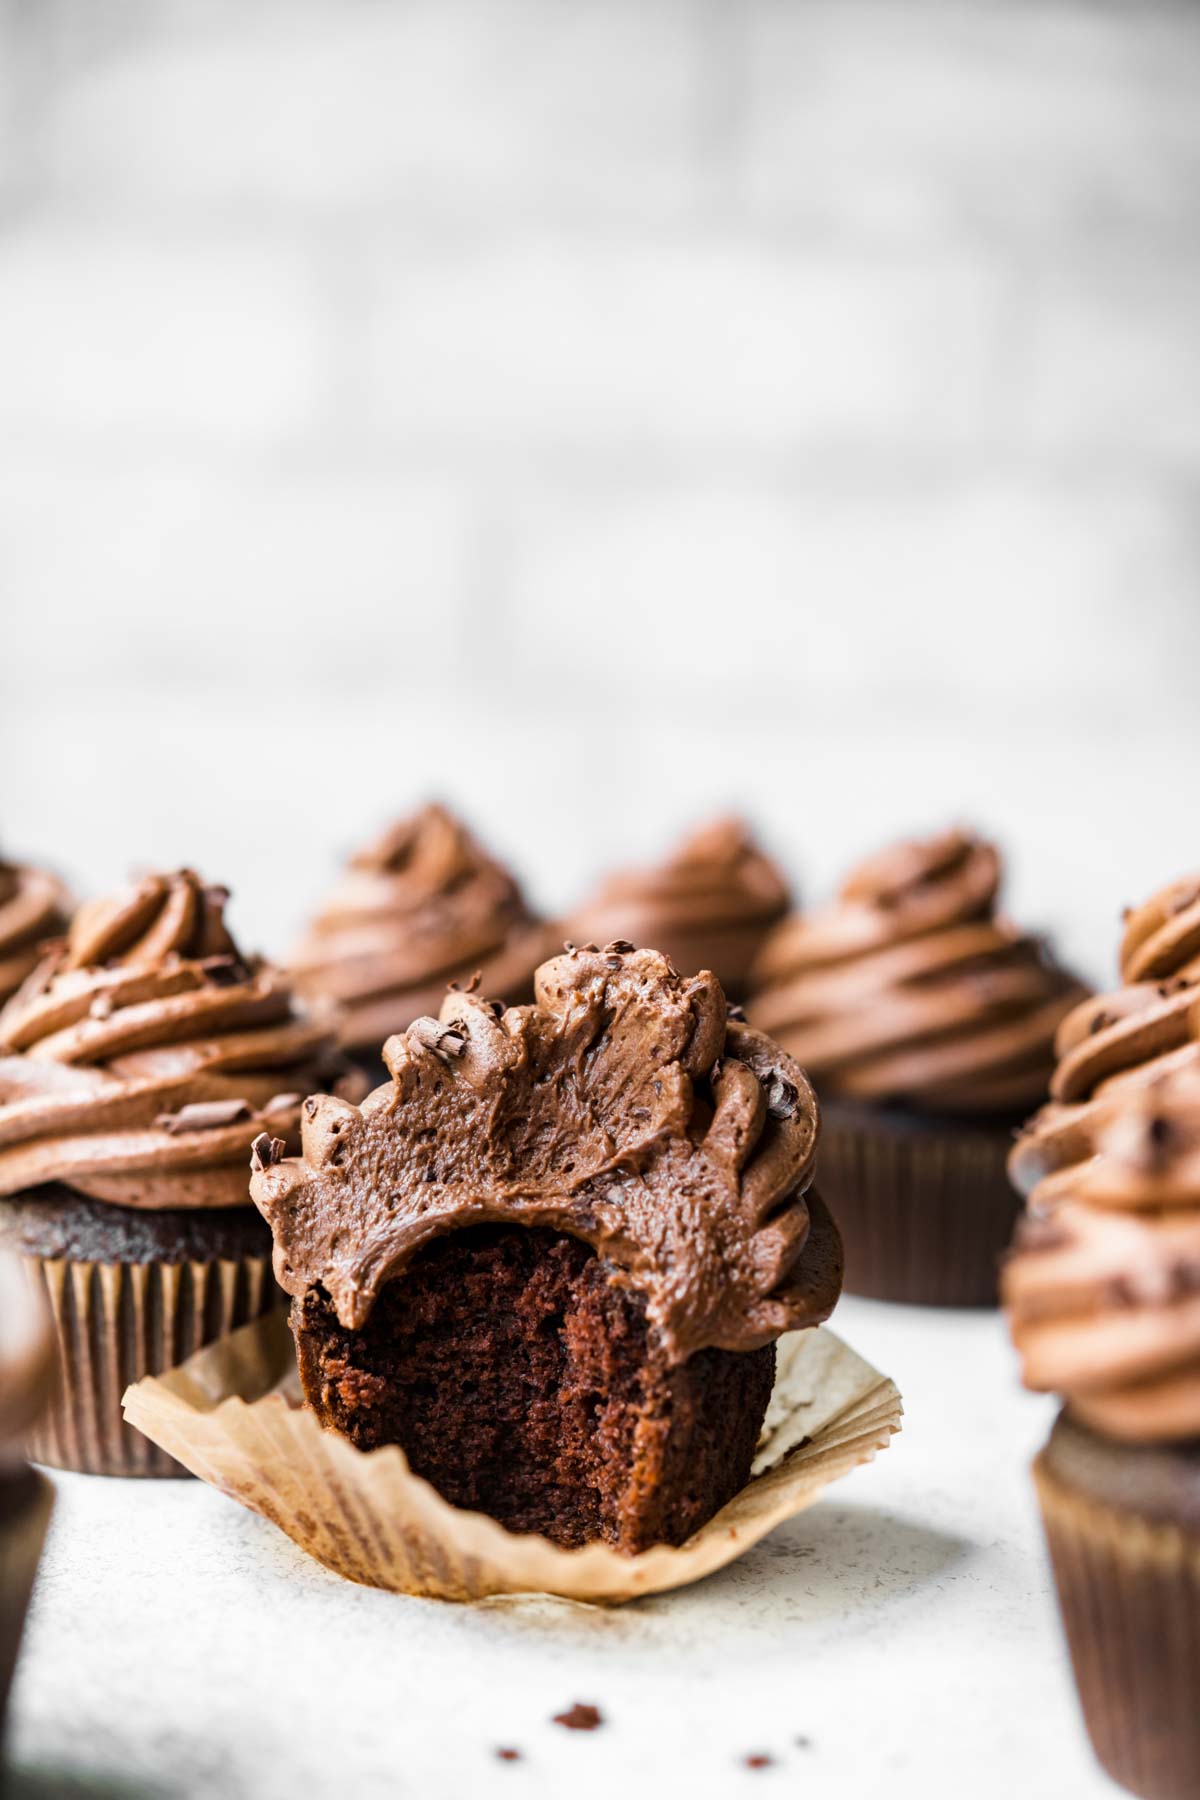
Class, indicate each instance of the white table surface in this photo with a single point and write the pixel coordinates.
(905, 1628)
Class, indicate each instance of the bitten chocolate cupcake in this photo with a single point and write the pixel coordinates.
(33, 906)
(137, 1064)
(422, 906)
(26, 1370)
(926, 1022)
(552, 1258)
(1103, 1292)
(707, 906)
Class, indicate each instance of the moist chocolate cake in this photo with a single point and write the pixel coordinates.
(552, 1258)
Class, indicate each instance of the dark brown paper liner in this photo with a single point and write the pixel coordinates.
(22, 1533)
(1129, 1591)
(925, 1209)
(117, 1322)
(232, 1414)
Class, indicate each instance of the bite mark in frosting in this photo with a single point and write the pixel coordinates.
(911, 989)
(623, 1107)
(144, 1053)
(422, 906)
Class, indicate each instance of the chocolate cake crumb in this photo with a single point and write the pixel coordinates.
(523, 1381)
(580, 1717)
(506, 1753)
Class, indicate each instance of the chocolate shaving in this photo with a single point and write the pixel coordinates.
(620, 947)
(736, 1013)
(224, 971)
(265, 1151)
(580, 1717)
(203, 1115)
(782, 1096)
(282, 1103)
(443, 1040)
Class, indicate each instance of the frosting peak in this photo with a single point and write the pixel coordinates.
(33, 907)
(421, 906)
(910, 988)
(144, 1053)
(706, 906)
(623, 1107)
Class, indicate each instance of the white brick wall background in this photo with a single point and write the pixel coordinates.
(597, 413)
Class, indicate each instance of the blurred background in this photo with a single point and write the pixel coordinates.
(597, 414)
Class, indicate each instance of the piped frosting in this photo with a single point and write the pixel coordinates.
(144, 1054)
(420, 907)
(911, 988)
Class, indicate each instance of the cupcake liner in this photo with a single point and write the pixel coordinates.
(118, 1322)
(24, 1516)
(232, 1415)
(925, 1208)
(1129, 1592)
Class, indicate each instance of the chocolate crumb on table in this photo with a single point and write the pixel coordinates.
(580, 1717)
(759, 1761)
(506, 1753)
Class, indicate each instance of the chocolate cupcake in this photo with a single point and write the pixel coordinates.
(137, 1064)
(552, 1258)
(708, 906)
(421, 907)
(33, 906)
(1103, 1292)
(26, 1368)
(927, 1024)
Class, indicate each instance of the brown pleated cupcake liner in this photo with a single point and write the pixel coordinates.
(24, 1516)
(925, 1212)
(1129, 1592)
(119, 1322)
(232, 1414)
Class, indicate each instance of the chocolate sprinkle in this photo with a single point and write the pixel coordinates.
(203, 1115)
(580, 1717)
(265, 1151)
(782, 1096)
(224, 971)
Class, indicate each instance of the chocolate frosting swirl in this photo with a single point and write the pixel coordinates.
(33, 907)
(422, 906)
(144, 1054)
(1112, 1044)
(911, 989)
(1103, 1284)
(707, 906)
(622, 1107)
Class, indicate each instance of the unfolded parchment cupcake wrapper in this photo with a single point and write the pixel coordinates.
(22, 1533)
(1129, 1592)
(231, 1414)
(119, 1322)
(924, 1217)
